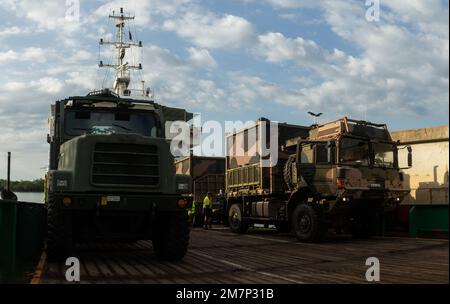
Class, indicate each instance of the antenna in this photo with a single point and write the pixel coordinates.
(122, 80)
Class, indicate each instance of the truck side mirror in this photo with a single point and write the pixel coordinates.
(409, 156)
(330, 151)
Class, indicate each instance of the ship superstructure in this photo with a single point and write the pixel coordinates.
(121, 66)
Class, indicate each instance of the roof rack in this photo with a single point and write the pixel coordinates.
(346, 121)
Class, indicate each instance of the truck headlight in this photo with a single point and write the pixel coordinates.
(182, 203)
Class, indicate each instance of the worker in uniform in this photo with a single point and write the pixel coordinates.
(191, 213)
(207, 211)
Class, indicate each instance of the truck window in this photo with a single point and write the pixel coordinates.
(306, 155)
(322, 154)
(354, 151)
(384, 155)
(81, 122)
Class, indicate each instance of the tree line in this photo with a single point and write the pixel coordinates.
(36, 185)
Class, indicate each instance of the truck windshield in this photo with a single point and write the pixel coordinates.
(102, 122)
(354, 151)
(384, 155)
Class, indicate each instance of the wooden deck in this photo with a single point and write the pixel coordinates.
(260, 256)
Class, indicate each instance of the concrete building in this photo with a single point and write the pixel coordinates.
(428, 177)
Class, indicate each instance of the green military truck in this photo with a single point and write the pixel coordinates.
(342, 175)
(112, 175)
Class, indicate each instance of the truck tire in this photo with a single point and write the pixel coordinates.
(235, 221)
(171, 235)
(59, 243)
(287, 172)
(307, 224)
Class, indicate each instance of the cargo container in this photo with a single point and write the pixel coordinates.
(245, 173)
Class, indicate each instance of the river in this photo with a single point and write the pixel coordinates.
(34, 197)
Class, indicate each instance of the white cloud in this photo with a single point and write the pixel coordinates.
(247, 91)
(209, 30)
(48, 14)
(29, 54)
(81, 55)
(404, 66)
(13, 31)
(201, 58)
(292, 3)
(275, 47)
(143, 10)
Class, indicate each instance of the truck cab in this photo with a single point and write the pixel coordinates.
(350, 168)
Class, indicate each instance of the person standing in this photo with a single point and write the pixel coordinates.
(207, 210)
(191, 214)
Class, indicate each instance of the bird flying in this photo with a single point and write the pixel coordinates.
(314, 114)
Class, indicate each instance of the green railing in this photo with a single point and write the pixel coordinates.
(22, 234)
(429, 220)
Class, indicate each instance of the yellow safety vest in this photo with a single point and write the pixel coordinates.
(206, 202)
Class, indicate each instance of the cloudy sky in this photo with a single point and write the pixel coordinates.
(229, 60)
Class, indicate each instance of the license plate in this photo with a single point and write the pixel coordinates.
(375, 185)
(113, 198)
(110, 198)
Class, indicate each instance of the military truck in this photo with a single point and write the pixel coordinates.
(111, 171)
(342, 175)
(111, 174)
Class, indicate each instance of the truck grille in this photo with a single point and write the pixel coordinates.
(125, 165)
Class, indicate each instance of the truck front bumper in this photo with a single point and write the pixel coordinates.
(121, 202)
(387, 199)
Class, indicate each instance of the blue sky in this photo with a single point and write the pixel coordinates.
(229, 60)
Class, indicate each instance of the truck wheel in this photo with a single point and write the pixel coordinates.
(307, 224)
(283, 227)
(171, 235)
(58, 243)
(235, 220)
(287, 172)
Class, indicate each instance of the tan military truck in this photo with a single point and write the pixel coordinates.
(341, 175)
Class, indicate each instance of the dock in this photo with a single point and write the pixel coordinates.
(262, 256)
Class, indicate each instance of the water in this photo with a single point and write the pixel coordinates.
(33, 197)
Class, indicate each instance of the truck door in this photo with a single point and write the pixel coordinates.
(306, 165)
(324, 157)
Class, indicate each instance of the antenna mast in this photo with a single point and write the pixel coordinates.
(122, 68)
